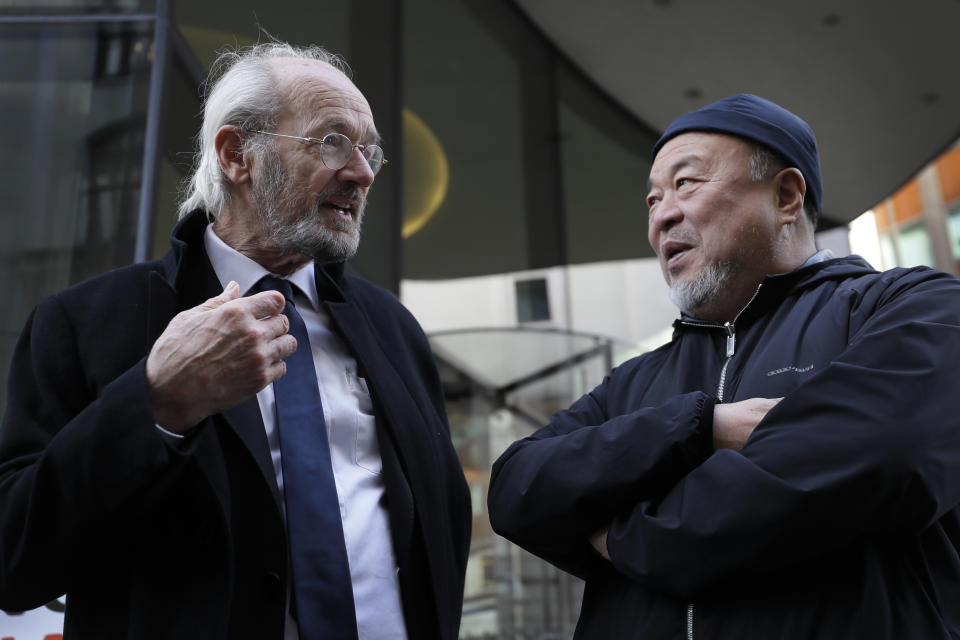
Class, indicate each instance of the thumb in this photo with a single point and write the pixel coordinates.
(230, 292)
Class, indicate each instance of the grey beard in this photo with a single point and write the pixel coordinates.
(274, 198)
(705, 288)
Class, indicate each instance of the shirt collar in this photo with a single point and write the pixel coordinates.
(229, 264)
(819, 256)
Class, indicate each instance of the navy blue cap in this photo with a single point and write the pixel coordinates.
(754, 118)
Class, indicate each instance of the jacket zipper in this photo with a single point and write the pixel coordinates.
(731, 349)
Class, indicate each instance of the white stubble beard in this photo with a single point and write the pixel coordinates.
(693, 295)
(293, 223)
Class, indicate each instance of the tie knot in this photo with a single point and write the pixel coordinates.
(271, 283)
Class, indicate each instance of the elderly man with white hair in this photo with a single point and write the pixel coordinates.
(240, 440)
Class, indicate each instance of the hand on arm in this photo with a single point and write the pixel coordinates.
(217, 354)
(550, 491)
(599, 542)
(734, 422)
(732, 425)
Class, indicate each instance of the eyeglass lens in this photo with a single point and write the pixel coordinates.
(336, 149)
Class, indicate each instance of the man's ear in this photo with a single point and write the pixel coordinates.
(229, 145)
(790, 189)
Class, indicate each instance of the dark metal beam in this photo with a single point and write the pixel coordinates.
(151, 143)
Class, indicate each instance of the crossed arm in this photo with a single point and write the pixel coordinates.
(732, 425)
(852, 452)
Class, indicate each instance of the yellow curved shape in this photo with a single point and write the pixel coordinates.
(426, 173)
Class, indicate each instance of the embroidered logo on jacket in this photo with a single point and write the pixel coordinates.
(777, 372)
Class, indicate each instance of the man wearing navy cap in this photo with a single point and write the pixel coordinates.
(788, 466)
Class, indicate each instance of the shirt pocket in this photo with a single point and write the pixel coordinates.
(366, 452)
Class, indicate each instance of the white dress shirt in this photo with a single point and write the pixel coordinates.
(354, 450)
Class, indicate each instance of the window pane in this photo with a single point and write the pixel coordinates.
(70, 171)
(953, 229)
(915, 246)
(886, 252)
(605, 157)
(463, 146)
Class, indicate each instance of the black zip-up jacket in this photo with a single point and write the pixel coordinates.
(838, 519)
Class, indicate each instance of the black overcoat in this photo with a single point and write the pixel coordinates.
(155, 539)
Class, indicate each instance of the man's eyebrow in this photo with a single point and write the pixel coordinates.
(682, 162)
(321, 126)
(679, 163)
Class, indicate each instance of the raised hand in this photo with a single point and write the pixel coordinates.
(217, 354)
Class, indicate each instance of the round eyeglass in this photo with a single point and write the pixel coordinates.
(336, 149)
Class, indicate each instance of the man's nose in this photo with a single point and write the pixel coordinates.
(666, 214)
(357, 170)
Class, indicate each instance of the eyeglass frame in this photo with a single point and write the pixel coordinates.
(361, 147)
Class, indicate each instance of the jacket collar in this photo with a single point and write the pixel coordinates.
(774, 288)
(188, 257)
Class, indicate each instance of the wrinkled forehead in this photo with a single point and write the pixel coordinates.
(701, 149)
(315, 93)
(706, 143)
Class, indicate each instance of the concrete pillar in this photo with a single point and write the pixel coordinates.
(935, 217)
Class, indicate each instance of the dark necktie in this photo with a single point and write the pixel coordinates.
(322, 592)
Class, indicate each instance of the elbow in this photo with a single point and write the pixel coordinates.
(505, 509)
(506, 501)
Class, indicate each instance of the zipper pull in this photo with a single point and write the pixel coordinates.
(731, 339)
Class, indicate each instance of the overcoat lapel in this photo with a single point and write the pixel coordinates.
(395, 410)
(190, 281)
(246, 421)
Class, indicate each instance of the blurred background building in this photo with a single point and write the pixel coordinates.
(511, 219)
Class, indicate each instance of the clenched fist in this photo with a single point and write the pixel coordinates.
(215, 355)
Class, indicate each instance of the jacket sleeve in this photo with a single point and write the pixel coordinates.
(869, 446)
(549, 492)
(73, 461)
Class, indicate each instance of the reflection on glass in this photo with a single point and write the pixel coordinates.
(501, 385)
(465, 85)
(605, 156)
(70, 6)
(74, 99)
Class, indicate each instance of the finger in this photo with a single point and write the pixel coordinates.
(275, 326)
(276, 371)
(230, 292)
(263, 305)
(283, 347)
